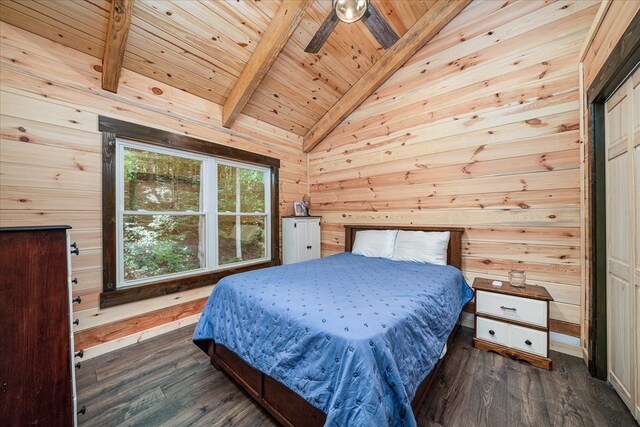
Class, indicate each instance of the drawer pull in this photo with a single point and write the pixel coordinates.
(77, 299)
(492, 332)
(527, 342)
(82, 410)
(76, 322)
(508, 308)
(75, 281)
(76, 249)
(79, 354)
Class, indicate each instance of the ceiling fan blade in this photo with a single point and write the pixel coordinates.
(379, 27)
(323, 32)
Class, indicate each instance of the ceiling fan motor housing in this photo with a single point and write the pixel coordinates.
(350, 10)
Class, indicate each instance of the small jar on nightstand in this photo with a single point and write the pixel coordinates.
(513, 321)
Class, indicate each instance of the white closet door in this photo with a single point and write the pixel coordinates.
(635, 119)
(621, 242)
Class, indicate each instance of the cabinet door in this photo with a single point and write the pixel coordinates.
(300, 232)
(313, 237)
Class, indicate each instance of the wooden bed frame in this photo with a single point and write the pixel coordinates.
(286, 406)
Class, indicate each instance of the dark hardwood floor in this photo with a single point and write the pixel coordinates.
(168, 381)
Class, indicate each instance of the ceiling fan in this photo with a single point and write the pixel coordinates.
(351, 11)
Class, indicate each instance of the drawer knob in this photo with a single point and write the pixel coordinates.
(82, 410)
(77, 299)
(76, 249)
(492, 332)
(527, 342)
(508, 308)
(76, 322)
(78, 365)
(79, 354)
(75, 281)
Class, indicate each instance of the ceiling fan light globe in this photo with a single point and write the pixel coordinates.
(350, 10)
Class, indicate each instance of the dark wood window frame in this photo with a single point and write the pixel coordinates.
(623, 59)
(112, 129)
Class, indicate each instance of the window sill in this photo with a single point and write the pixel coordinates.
(171, 286)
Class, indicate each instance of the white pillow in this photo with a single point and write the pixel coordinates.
(375, 243)
(422, 246)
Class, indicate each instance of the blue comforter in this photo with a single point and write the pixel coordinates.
(354, 336)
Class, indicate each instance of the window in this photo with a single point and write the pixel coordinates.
(185, 212)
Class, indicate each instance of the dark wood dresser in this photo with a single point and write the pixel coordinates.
(37, 372)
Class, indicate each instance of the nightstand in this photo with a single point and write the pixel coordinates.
(512, 321)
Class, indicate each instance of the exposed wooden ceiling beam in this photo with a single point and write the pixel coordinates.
(434, 20)
(284, 22)
(117, 33)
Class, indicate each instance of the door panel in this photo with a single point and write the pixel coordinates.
(621, 243)
(301, 240)
(620, 337)
(314, 238)
(635, 117)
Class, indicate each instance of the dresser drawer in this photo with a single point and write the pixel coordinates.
(512, 308)
(491, 330)
(529, 340)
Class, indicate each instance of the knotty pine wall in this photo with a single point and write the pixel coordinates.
(609, 26)
(50, 161)
(479, 129)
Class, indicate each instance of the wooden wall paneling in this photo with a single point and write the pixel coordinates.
(80, 220)
(479, 129)
(50, 99)
(509, 27)
(101, 334)
(474, 149)
(17, 128)
(481, 95)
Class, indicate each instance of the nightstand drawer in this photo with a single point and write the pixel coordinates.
(529, 340)
(491, 330)
(512, 308)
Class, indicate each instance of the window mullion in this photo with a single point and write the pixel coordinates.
(119, 214)
(212, 209)
(238, 224)
(267, 209)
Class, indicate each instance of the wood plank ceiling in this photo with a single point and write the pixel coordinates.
(202, 47)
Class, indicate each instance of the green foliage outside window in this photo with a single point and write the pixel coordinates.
(162, 244)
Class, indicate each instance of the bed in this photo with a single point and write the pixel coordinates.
(342, 340)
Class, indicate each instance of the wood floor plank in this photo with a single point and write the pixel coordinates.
(168, 381)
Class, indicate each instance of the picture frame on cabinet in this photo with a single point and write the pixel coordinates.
(300, 209)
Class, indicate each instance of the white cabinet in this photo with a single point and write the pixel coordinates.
(300, 239)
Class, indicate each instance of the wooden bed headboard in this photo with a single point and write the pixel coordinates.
(454, 251)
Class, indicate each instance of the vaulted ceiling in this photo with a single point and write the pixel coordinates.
(203, 47)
